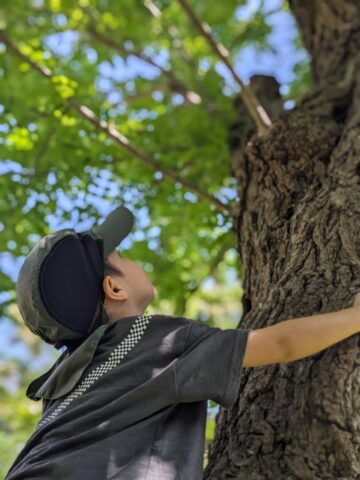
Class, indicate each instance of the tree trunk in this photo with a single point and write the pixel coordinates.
(298, 225)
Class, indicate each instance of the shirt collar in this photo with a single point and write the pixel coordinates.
(67, 370)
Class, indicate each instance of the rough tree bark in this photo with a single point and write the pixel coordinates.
(298, 239)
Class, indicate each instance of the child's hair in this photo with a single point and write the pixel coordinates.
(110, 269)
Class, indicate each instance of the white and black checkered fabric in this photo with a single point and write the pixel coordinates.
(118, 353)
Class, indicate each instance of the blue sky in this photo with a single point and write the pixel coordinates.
(278, 63)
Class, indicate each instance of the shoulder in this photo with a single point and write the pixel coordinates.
(170, 330)
(171, 320)
(163, 324)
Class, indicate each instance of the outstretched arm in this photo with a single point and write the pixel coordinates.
(300, 337)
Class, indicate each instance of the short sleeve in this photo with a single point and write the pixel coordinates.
(211, 364)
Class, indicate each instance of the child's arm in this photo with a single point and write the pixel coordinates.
(300, 337)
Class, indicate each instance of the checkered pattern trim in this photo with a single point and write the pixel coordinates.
(118, 353)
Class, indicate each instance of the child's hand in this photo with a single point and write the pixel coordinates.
(357, 300)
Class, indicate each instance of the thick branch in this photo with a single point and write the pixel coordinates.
(253, 106)
(112, 132)
(330, 31)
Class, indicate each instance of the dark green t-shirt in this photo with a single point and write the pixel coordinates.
(139, 411)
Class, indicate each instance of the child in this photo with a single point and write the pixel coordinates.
(127, 399)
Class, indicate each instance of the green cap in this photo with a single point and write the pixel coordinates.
(60, 297)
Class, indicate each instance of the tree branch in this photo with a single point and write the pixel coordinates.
(43, 149)
(212, 267)
(45, 146)
(173, 32)
(139, 95)
(256, 111)
(174, 83)
(112, 132)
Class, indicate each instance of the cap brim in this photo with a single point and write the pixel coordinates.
(115, 228)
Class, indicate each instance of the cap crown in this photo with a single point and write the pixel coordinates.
(59, 288)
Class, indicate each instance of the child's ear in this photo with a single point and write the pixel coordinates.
(113, 290)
